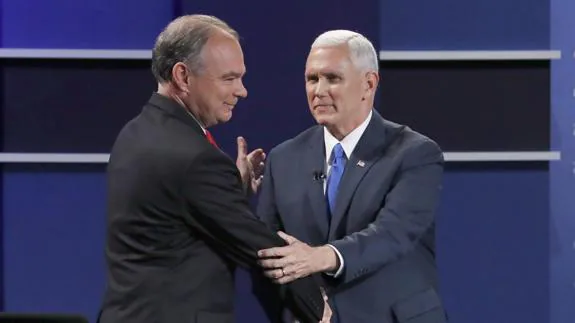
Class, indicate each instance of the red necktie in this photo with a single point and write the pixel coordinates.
(211, 139)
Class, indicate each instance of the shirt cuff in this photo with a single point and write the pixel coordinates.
(341, 263)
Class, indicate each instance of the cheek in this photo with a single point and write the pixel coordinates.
(309, 93)
(228, 90)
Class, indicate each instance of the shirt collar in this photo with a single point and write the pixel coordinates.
(348, 142)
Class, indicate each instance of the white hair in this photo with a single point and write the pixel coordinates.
(361, 50)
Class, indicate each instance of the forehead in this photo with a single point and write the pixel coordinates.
(223, 53)
(332, 58)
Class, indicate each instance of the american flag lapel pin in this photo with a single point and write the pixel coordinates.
(360, 163)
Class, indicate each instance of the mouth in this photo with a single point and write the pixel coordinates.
(323, 107)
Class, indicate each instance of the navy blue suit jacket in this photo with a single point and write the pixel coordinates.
(383, 225)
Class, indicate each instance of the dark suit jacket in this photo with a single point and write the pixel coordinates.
(178, 223)
(383, 224)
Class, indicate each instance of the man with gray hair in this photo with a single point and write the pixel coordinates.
(178, 215)
(354, 196)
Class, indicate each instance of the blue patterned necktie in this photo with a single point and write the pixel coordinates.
(337, 166)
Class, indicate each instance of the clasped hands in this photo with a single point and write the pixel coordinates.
(297, 260)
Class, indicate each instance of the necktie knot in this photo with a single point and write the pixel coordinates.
(211, 139)
(338, 154)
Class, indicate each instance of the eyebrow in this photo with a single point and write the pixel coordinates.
(232, 74)
(325, 74)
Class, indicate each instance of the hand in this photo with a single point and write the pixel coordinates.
(251, 166)
(296, 260)
(327, 312)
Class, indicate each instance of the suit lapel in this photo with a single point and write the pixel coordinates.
(314, 163)
(369, 149)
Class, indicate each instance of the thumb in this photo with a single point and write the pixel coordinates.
(289, 239)
(242, 147)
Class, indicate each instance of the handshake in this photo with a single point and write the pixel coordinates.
(296, 260)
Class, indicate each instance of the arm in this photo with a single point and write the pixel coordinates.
(268, 293)
(408, 211)
(221, 215)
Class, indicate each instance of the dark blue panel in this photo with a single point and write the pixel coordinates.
(471, 106)
(53, 241)
(77, 106)
(467, 24)
(100, 24)
(276, 37)
(493, 244)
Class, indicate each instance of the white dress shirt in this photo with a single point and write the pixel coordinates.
(348, 144)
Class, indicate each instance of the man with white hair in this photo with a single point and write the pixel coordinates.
(354, 196)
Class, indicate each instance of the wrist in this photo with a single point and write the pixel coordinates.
(329, 260)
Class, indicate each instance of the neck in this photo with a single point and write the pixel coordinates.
(341, 131)
(169, 91)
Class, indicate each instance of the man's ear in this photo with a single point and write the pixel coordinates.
(370, 84)
(181, 76)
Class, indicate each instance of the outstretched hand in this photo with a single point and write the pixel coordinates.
(251, 166)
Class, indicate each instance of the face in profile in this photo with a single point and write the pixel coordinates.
(335, 87)
(216, 88)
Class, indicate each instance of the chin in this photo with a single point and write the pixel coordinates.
(225, 117)
(322, 119)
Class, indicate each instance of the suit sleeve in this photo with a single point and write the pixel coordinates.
(267, 210)
(221, 215)
(265, 291)
(407, 213)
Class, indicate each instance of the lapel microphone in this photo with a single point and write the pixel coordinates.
(318, 176)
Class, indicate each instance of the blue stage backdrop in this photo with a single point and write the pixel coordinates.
(493, 234)
(562, 224)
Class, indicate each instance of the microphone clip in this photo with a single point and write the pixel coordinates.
(318, 176)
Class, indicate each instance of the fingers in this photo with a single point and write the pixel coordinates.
(275, 252)
(286, 276)
(274, 273)
(289, 239)
(327, 313)
(257, 157)
(256, 183)
(275, 263)
(258, 167)
(323, 294)
(257, 153)
(285, 279)
(242, 147)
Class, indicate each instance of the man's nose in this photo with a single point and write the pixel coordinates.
(241, 92)
(320, 88)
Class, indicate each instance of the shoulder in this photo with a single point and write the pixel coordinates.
(295, 144)
(409, 138)
(152, 144)
(411, 146)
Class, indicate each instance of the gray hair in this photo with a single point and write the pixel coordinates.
(362, 52)
(182, 41)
